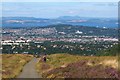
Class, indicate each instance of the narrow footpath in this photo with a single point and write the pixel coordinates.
(29, 70)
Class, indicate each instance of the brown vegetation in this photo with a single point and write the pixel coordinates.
(12, 64)
(74, 66)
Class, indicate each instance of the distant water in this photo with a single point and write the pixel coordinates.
(101, 25)
(89, 24)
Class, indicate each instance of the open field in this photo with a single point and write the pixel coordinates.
(12, 64)
(67, 66)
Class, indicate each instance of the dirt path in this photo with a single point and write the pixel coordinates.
(29, 70)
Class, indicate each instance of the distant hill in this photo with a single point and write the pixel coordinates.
(69, 17)
(72, 20)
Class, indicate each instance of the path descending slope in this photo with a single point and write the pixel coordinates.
(29, 70)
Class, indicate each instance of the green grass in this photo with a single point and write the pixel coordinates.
(12, 64)
(62, 60)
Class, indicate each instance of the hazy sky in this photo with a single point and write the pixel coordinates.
(60, 0)
(56, 9)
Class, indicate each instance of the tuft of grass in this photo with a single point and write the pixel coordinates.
(55, 61)
(12, 64)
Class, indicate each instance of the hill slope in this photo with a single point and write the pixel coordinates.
(67, 66)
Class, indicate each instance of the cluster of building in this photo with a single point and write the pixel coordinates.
(24, 36)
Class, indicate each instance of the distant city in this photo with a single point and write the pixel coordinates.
(60, 38)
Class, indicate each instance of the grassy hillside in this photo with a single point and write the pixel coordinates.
(12, 64)
(66, 65)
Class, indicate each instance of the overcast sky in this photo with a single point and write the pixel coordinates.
(14, 8)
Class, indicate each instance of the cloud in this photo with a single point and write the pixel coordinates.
(112, 4)
(100, 4)
(72, 12)
(58, 9)
(107, 4)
